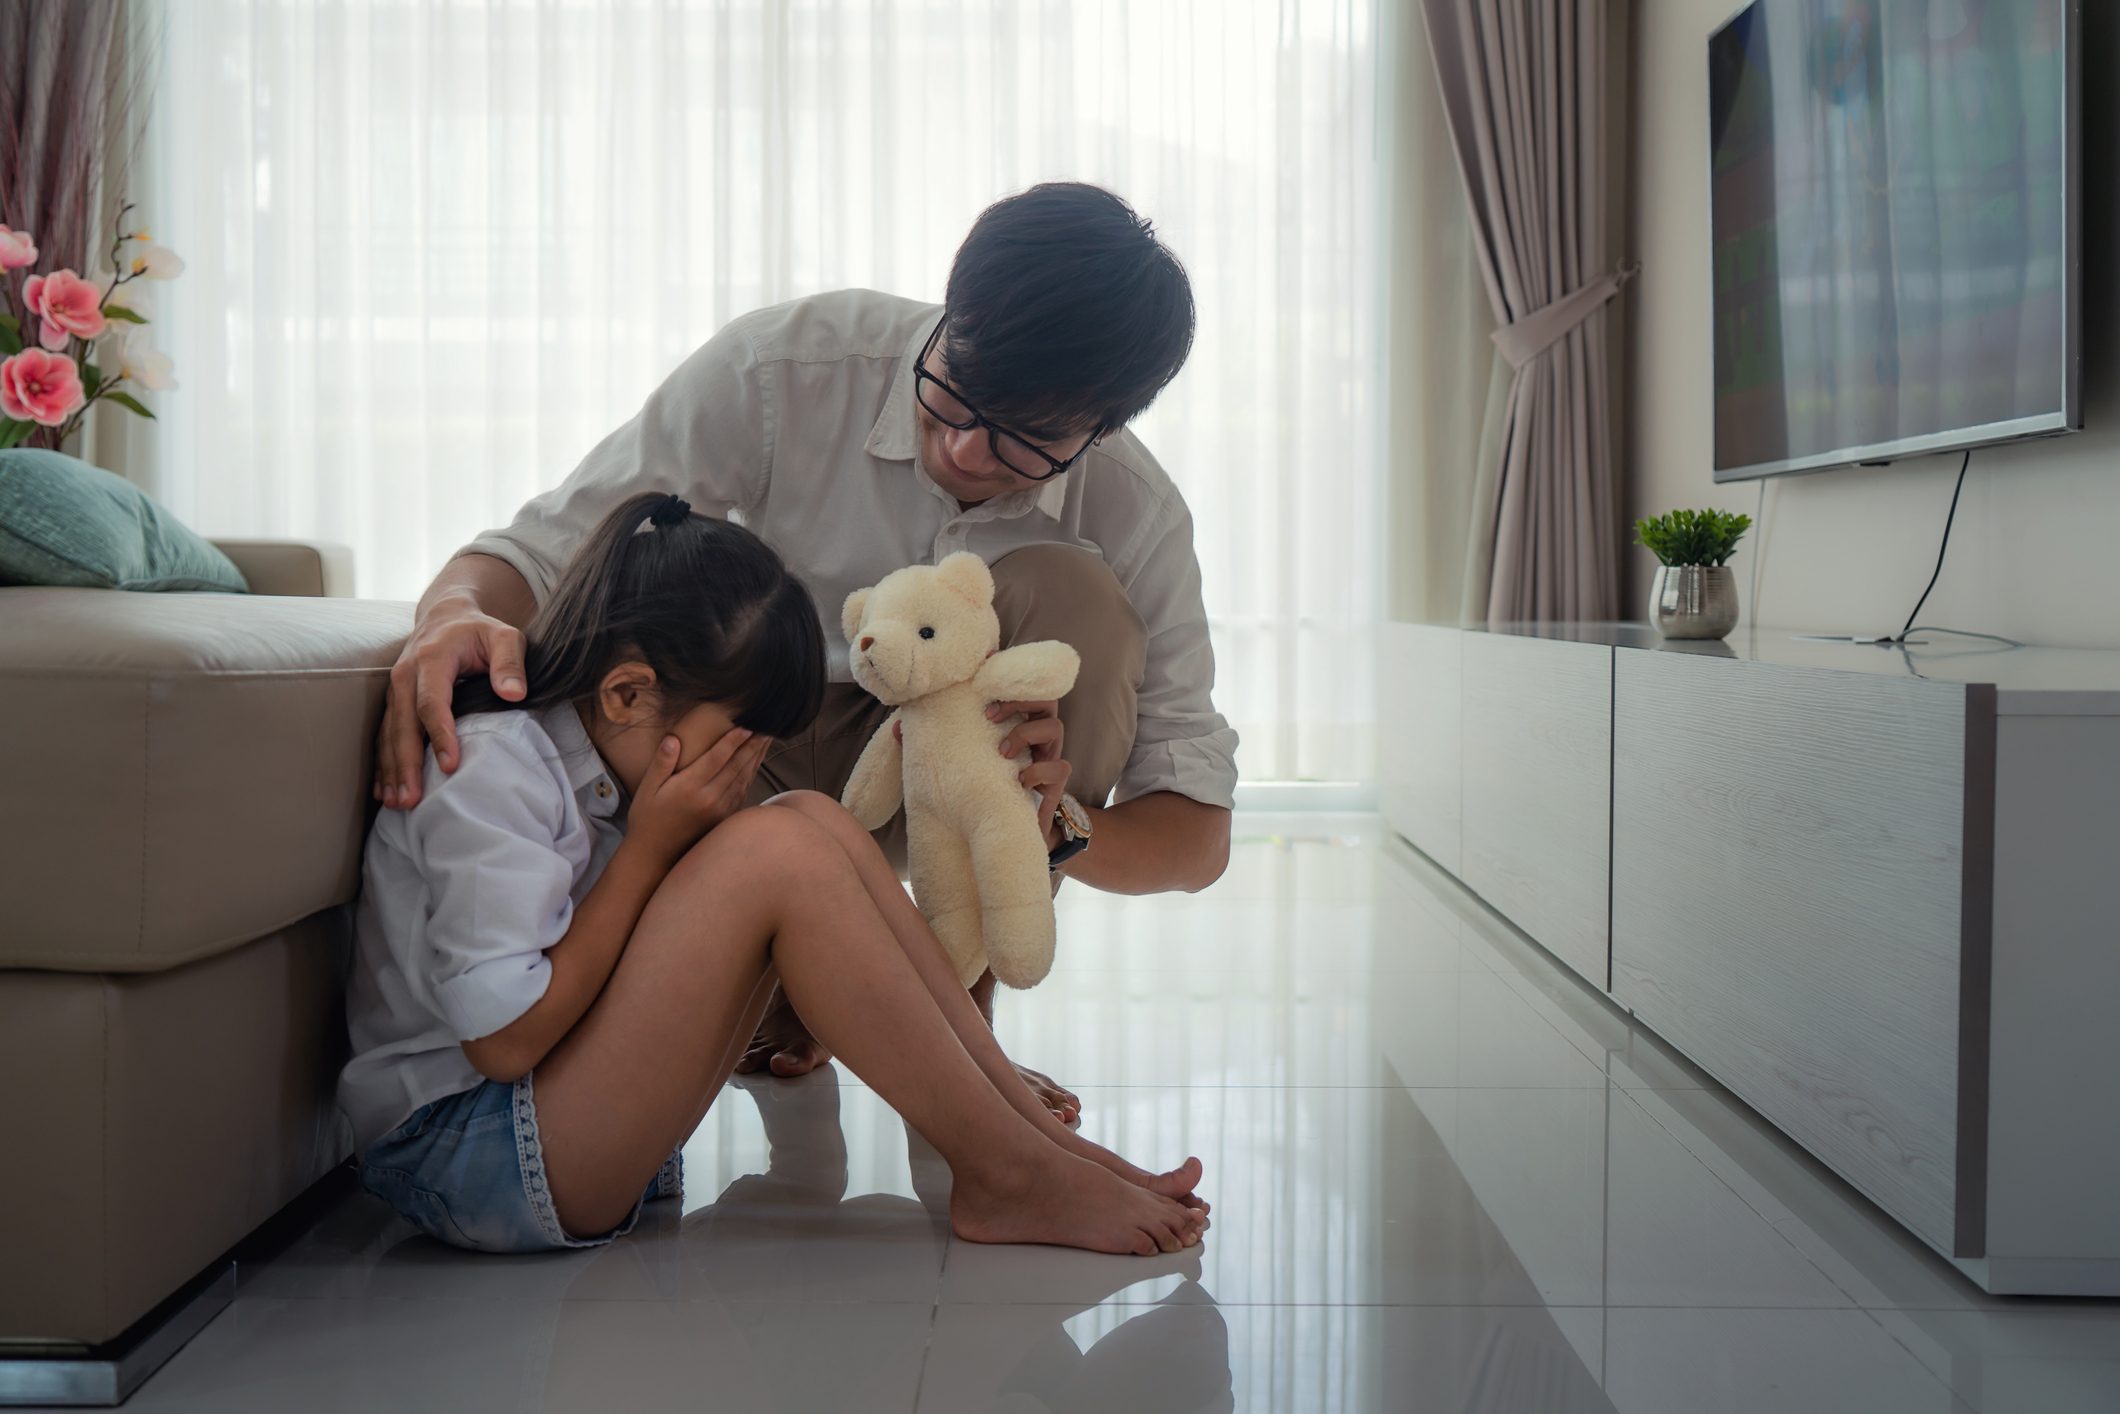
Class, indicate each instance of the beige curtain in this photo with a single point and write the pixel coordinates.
(1448, 382)
(1531, 93)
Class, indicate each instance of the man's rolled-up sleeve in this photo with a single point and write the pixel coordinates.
(1181, 743)
(704, 434)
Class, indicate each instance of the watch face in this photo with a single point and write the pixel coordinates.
(1074, 816)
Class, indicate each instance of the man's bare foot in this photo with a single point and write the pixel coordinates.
(783, 1044)
(1071, 1202)
(1178, 1183)
(1062, 1102)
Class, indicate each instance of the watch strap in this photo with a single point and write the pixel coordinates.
(1065, 850)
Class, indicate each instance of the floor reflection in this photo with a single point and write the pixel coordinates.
(1445, 1176)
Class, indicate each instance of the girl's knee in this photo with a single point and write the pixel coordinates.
(756, 845)
(826, 812)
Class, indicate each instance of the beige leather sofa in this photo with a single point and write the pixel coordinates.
(186, 792)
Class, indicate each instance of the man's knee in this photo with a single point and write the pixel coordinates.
(1068, 593)
(1059, 591)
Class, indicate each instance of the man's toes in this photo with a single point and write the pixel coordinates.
(1056, 1100)
(795, 1060)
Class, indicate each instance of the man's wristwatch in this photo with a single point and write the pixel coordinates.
(1074, 833)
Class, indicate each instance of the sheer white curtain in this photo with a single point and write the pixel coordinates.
(438, 250)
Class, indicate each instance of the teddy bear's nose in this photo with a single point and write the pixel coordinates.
(868, 641)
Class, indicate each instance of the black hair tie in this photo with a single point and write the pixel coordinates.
(671, 510)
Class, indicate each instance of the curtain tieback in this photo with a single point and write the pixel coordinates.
(1527, 338)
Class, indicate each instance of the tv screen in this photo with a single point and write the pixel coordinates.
(1892, 211)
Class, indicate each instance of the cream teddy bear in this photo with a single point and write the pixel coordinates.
(925, 642)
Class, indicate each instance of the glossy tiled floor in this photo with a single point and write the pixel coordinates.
(1445, 1177)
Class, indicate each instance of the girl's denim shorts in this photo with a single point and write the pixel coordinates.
(468, 1169)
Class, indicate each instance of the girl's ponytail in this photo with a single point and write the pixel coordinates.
(703, 602)
(669, 511)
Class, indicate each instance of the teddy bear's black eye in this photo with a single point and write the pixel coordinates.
(927, 633)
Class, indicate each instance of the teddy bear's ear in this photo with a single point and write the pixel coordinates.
(850, 613)
(966, 574)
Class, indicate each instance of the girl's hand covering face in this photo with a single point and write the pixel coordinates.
(676, 806)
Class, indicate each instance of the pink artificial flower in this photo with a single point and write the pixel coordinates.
(16, 249)
(67, 304)
(36, 386)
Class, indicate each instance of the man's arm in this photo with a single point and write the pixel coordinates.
(484, 583)
(1154, 842)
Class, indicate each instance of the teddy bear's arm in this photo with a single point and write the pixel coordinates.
(876, 788)
(1029, 672)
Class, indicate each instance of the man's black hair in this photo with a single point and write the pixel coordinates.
(1065, 312)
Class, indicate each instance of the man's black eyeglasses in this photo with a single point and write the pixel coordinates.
(1033, 463)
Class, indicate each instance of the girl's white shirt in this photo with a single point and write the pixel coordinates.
(461, 896)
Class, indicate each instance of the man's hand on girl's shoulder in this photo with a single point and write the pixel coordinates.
(417, 708)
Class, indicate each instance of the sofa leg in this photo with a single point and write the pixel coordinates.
(107, 1374)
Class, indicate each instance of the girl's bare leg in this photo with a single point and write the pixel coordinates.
(768, 893)
(925, 952)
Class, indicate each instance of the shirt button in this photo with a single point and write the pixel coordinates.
(603, 789)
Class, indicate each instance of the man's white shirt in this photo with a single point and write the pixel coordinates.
(798, 421)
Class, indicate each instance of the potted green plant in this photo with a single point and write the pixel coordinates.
(1695, 591)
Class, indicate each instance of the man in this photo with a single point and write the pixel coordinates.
(857, 433)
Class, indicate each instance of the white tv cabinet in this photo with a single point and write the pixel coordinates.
(1873, 891)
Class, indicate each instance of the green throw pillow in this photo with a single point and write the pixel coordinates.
(65, 522)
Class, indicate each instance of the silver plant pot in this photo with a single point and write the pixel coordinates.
(1693, 601)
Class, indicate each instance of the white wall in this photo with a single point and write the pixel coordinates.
(2036, 550)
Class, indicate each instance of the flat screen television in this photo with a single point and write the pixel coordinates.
(1893, 212)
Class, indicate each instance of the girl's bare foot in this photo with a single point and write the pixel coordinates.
(1067, 1201)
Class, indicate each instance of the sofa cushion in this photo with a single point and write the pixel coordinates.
(185, 772)
(64, 522)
